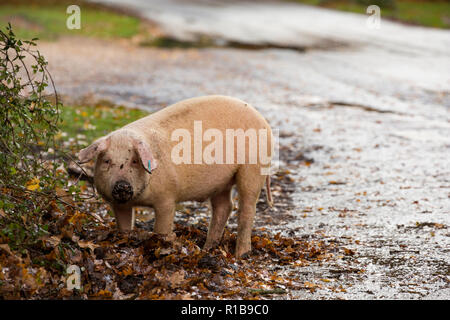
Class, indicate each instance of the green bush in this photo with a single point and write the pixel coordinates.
(30, 174)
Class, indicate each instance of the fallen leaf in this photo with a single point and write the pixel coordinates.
(52, 241)
(33, 184)
(87, 244)
(177, 278)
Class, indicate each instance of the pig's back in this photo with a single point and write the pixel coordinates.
(219, 112)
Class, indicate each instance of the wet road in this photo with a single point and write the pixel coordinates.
(358, 64)
(371, 112)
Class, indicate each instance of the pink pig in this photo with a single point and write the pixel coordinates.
(138, 165)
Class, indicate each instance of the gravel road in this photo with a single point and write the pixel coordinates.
(367, 109)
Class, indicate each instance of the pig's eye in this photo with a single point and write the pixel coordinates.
(134, 161)
(107, 161)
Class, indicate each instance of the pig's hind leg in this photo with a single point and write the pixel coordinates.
(249, 182)
(221, 208)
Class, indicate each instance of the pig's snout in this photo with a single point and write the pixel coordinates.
(122, 191)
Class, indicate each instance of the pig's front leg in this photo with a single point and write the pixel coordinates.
(164, 214)
(124, 217)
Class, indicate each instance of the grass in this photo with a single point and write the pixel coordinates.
(434, 13)
(46, 19)
(87, 123)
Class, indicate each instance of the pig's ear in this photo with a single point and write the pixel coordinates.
(145, 154)
(93, 150)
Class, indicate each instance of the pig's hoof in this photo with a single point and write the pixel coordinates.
(124, 230)
(243, 253)
(210, 245)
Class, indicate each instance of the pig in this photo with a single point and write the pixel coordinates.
(139, 165)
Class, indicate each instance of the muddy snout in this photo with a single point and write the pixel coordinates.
(122, 191)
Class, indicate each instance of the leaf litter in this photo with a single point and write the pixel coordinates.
(143, 265)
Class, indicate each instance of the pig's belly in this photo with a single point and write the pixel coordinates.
(201, 182)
